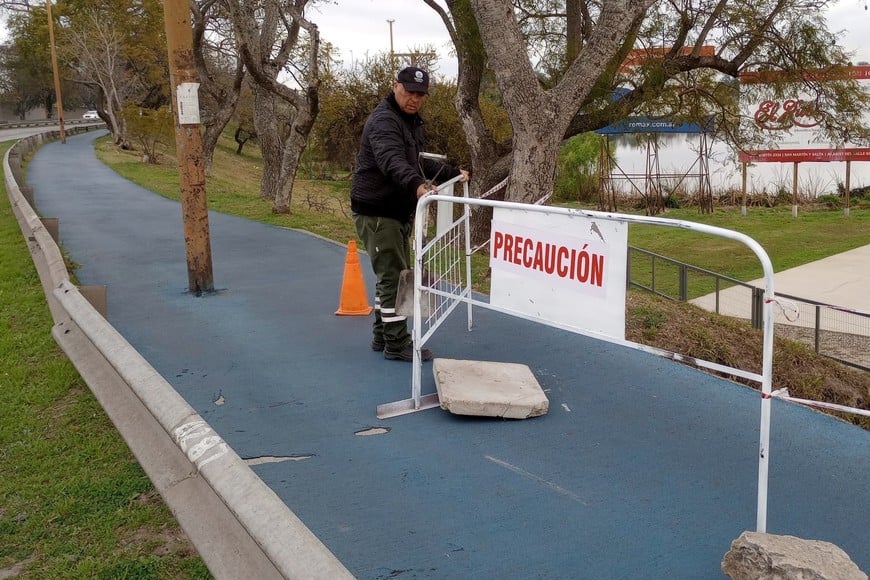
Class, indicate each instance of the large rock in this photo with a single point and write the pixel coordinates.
(757, 556)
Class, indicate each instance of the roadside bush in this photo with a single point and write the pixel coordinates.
(150, 129)
(673, 200)
(830, 201)
(577, 169)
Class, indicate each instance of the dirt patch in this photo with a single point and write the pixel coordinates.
(62, 405)
(14, 570)
(162, 541)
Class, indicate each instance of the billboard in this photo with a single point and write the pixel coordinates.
(791, 125)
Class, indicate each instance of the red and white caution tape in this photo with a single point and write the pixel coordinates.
(783, 395)
(789, 309)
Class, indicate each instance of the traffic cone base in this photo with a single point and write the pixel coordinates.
(353, 300)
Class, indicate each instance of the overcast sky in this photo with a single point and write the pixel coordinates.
(358, 27)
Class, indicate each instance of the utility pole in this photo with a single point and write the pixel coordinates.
(191, 167)
(392, 54)
(411, 56)
(54, 70)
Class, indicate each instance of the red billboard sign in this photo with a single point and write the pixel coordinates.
(792, 123)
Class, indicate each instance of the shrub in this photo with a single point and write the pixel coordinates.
(831, 201)
(577, 169)
(149, 128)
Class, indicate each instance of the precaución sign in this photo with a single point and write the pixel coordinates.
(567, 269)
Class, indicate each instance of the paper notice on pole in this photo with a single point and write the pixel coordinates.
(187, 96)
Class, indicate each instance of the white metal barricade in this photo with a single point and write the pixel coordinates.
(442, 280)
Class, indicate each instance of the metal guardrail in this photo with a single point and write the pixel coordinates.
(47, 123)
(239, 526)
(839, 333)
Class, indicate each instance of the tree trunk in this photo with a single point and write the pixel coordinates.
(48, 103)
(265, 55)
(293, 150)
(224, 96)
(533, 171)
(294, 147)
(241, 137)
(213, 131)
(540, 118)
(225, 101)
(268, 135)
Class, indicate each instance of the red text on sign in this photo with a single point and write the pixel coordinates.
(576, 264)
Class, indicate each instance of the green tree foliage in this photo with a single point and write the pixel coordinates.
(28, 80)
(577, 169)
(443, 132)
(149, 128)
(109, 52)
(347, 96)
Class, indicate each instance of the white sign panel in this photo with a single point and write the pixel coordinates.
(567, 269)
(188, 103)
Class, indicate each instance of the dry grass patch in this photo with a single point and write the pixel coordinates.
(689, 330)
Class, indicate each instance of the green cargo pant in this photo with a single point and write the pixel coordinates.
(388, 244)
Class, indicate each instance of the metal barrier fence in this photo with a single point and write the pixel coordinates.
(239, 526)
(446, 257)
(840, 333)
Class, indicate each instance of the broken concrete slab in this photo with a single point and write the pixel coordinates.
(760, 556)
(488, 389)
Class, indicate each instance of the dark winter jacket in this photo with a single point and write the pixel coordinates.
(388, 169)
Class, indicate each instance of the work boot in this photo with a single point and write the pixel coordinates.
(378, 344)
(407, 354)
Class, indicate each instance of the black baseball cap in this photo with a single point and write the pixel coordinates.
(414, 79)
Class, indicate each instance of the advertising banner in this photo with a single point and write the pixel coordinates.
(650, 125)
(567, 269)
(792, 123)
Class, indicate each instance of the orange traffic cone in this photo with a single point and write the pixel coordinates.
(353, 290)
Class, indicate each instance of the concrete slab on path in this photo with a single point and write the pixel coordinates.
(488, 389)
(642, 468)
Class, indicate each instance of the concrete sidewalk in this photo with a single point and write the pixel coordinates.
(841, 280)
(643, 468)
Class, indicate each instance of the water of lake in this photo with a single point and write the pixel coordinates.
(678, 155)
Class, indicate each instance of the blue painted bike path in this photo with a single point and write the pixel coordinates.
(643, 468)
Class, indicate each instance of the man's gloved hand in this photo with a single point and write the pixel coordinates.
(424, 188)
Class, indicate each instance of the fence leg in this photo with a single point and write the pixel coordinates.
(684, 283)
(757, 307)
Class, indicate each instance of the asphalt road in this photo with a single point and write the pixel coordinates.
(13, 134)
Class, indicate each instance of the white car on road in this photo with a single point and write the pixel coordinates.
(90, 115)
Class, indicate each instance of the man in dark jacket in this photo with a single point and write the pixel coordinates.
(389, 178)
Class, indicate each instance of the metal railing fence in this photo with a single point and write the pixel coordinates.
(837, 332)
